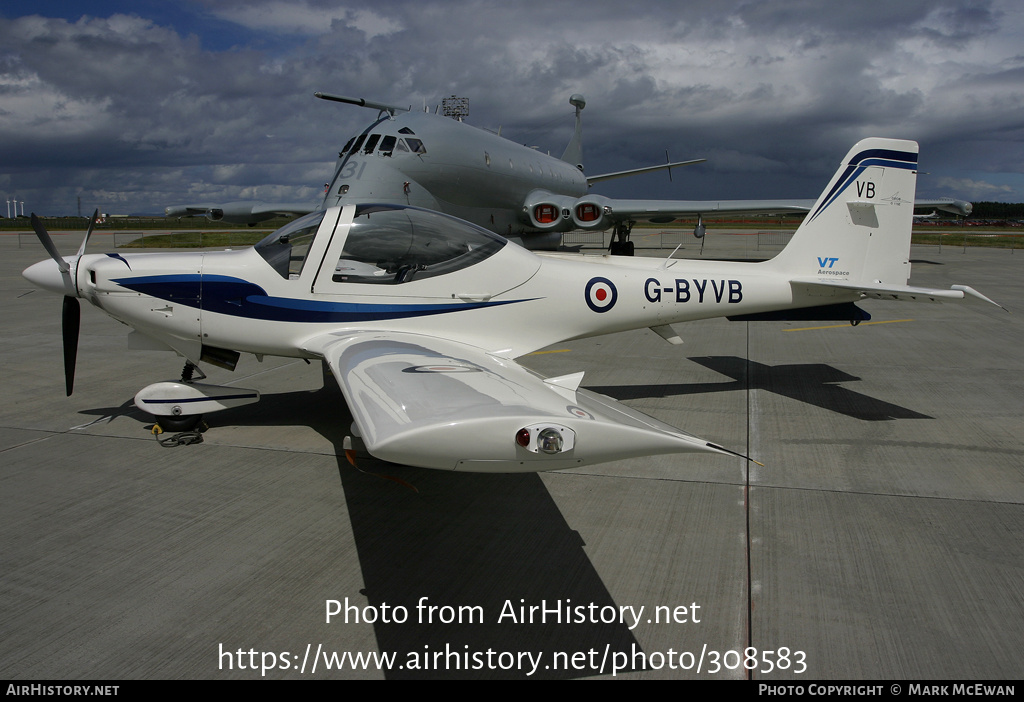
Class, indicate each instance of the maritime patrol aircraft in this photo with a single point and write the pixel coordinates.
(420, 316)
(437, 163)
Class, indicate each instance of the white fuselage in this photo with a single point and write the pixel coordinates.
(511, 303)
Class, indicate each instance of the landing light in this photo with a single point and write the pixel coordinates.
(549, 441)
(546, 439)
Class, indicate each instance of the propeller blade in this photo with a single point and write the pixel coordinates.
(71, 321)
(47, 242)
(88, 232)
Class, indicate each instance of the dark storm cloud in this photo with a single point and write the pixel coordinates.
(214, 102)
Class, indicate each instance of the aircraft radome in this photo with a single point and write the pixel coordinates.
(437, 163)
(420, 316)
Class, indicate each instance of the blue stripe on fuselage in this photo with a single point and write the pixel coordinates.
(240, 298)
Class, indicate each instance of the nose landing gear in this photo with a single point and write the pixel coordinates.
(179, 406)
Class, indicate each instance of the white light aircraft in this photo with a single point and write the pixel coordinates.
(430, 161)
(420, 316)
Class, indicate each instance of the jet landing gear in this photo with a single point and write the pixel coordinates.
(179, 406)
(620, 244)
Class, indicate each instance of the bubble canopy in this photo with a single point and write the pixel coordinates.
(387, 244)
(285, 249)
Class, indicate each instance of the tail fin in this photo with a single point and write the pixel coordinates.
(574, 151)
(859, 229)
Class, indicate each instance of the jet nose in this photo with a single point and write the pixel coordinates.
(47, 275)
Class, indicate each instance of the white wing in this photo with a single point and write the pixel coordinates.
(434, 403)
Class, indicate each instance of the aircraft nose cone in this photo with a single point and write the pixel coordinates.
(48, 276)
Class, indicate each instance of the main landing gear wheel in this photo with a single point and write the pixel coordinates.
(621, 248)
(184, 422)
(620, 245)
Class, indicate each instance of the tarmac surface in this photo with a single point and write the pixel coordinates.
(881, 540)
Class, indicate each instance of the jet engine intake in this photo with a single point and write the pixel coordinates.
(591, 213)
(548, 212)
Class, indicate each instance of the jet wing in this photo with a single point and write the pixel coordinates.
(435, 403)
(548, 211)
(946, 204)
(666, 210)
(243, 212)
(663, 210)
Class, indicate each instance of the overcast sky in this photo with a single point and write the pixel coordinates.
(133, 105)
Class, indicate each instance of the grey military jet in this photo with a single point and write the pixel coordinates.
(426, 160)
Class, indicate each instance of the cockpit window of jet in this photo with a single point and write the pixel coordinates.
(371, 144)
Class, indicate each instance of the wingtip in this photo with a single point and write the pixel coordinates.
(350, 454)
(733, 453)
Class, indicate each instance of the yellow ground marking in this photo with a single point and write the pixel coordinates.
(847, 324)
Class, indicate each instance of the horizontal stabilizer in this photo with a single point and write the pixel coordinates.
(880, 291)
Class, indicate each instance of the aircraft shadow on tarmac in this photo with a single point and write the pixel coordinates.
(812, 383)
(105, 415)
(456, 539)
(483, 540)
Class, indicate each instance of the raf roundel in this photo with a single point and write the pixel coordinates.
(579, 412)
(600, 294)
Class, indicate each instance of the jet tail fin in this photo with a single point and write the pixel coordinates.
(574, 151)
(859, 228)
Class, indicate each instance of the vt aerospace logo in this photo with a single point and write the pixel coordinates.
(600, 294)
